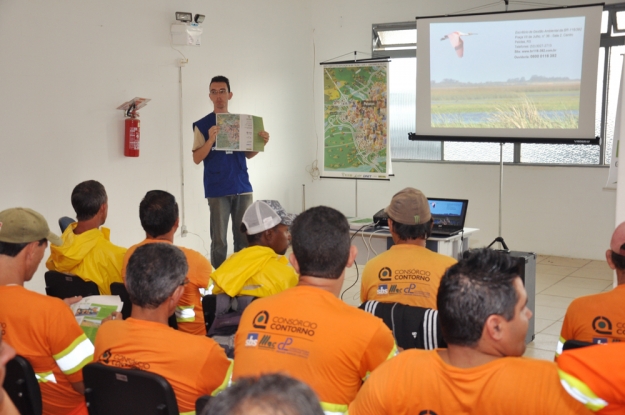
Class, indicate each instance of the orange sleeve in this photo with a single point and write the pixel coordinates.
(364, 285)
(203, 270)
(216, 374)
(125, 261)
(372, 397)
(70, 347)
(381, 348)
(598, 374)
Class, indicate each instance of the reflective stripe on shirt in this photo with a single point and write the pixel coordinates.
(75, 356)
(333, 408)
(45, 377)
(580, 391)
(185, 313)
(560, 346)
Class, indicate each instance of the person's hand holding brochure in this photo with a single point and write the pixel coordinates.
(90, 311)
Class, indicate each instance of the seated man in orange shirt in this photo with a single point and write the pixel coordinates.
(595, 376)
(408, 273)
(87, 250)
(482, 306)
(158, 212)
(306, 331)
(193, 365)
(600, 318)
(42, 329)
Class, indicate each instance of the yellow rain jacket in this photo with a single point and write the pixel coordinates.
(90, 255)
(257, 271)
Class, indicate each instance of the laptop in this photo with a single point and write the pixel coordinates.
(448, 215)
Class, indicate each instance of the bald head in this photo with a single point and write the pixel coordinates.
(617, 244)
(616, 254)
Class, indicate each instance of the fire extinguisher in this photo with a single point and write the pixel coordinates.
(132, 133)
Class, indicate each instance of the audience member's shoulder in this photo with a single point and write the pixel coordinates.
(590, 300)
(192, 254)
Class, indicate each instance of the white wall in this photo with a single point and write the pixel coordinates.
(549, 210)
(66, 66)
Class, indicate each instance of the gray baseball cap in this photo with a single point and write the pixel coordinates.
(263, 215)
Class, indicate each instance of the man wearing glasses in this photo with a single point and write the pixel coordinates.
(226, 182)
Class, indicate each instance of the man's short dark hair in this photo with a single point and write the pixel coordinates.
(87, 199)
(13, 250)
(618, 260)
(320, 238)
(474, 289)
(251, 239)
(221, 78)
(158, 212)
(407, 232)
(154, 272)
(273, 394)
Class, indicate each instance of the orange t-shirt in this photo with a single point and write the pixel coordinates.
(312, 336)
(419, 382)
(189, 313)
(595, 376)
(406, 274)
(193, 365)
(597, 318)
(43, 330)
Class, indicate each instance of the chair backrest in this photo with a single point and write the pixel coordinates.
(22, 386)
(64, 286)
(64, 222)
(209, 307)
(111, 390)
(574, 344)
(118, 288)
(413, 327)
(201, 403)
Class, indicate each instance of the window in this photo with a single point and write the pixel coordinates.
(399, 41)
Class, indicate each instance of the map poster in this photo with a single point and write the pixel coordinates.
(355, 118)
(239, 132)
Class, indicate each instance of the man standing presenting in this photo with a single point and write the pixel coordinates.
(226, 182)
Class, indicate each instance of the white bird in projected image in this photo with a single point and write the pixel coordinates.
(456, 41)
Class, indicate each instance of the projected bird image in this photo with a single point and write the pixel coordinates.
(456, 41)
(515, 74)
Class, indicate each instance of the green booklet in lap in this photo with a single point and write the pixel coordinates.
(239, 132)
(90, 311)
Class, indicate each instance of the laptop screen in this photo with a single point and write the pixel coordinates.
(448, 212)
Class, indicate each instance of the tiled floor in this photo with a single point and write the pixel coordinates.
(558, 281)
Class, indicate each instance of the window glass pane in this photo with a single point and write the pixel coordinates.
(398, 37)
(402, 97)
(604, 21)
(575, 154)
(614, 80)
(620, 20)
(485, 152)
(559, 154)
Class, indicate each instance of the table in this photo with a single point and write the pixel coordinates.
(371, 242)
